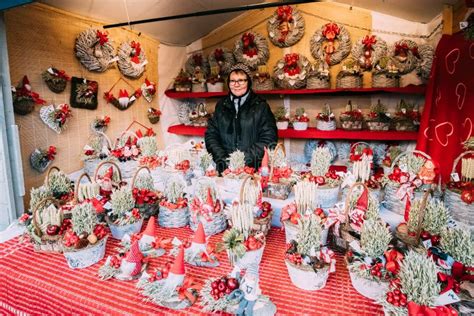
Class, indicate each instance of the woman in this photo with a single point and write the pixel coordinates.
(242, 120)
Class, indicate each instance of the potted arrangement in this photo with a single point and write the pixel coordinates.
(279, 178)
(262, 80)
(377, 119)
(301, 120)
(149, 153)
(206, 166)
(350, 76)
(174, 211)
(127, 151)
(236, 172)
(143, 190)
(282, 118)
(407, 117)
(56, 117)
(59, 186)
(182, 82)
(215, 82)
(308, 264)
(385, 74)
(370, 264)
(153, 115)
(84, 242)
(24, 99)
(318, 77)
(326, 120)
(123, 217)
(55, 79)
(96, 150)
(435, 220)
(352, 119)
(40, 159)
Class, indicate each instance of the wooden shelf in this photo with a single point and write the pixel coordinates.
(312, 133)
(411, 89)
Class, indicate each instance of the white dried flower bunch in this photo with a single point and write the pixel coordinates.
(436, 217)
(59, 183)
(309, 235)
(39, 194)
(84, 218)
(418, 276)
(414, 216)
(174, 190)
(205, 161)
(122, 201)
(277, 158)
(411, 163)
(320, 161)
(374, 238)
(459, 244)
(236, 160)
(148, 146)
(145, 181)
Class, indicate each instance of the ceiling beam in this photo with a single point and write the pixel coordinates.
(210, 12)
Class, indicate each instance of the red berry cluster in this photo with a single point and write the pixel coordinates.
(397, 298)
(266, 209)
(183, 165)
(223, 286)
(65, 225)
(253, 243)
(294, 258)
(376, 270)
(160, 273)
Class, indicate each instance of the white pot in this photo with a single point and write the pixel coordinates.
(327, 197)
(86, 257)
(368, 288)
(307, 279)
(217, 87)
(291, 231)
(282, 125)
(300, 126)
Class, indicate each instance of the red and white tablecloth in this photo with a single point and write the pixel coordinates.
(39, 283)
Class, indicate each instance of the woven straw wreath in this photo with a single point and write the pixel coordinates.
(320, 41)
(94, 51)
(131, 63)
(286, 26)
(223, 58)
(197, 60)
(251, 49)
(368, 50)
(405, 54)
(285, 75)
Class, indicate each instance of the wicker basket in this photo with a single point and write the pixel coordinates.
(381, 80)
(368, 288)
(291, 232)
(413, 238)
(348, 80)
(62, 199)
(378, 126)
(182, 87)
(90, 165)
(326, 126)
(23, 107)
(85, 257)
(217, 224)
(274, 190)
(406, 126)
(118, 231)
(304, 277)
(173, 218)
(128, 168)
(460, 210)
(199, 87)
(352, 125)
(265, 85)
(315, 82)
(47, 243)
(216, 87)
(57, 86)
(146, 210)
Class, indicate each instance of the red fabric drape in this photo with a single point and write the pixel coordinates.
(448, 118)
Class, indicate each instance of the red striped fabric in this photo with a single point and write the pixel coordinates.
(39, 283)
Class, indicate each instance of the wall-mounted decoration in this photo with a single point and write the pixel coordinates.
(84, 93)
(291, 71)
(154, 115)
(125, 99)
(368, 50)
(426, 53)
(262, 80)
(385, 74)
(286, 26)
(331, 43)
(56, 116)
(131, 59)
(100, 124)
(24, 99)
(55, 79)
(148, 90)
(222, 58)
(405, 53)
(350, 75)
(197, 64)
(40, 159)
(94, 51)
(251, 49)
(318, 77)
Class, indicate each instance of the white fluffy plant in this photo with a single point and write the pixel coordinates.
(205, 161)
(236, 160)
(436, 217)
(320, 161)
(84, 218)
(144, 181)
(309, 235)
(39, 194)
(122, 203)
(148, 146)
(174, 190)
(459, 244)
(374, 238)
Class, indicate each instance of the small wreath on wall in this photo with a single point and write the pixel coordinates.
(125, 99)
(94, 51)
(291, 71)
(286, 26)
(331, 43)
(423, 68)
(368, 50)
(222, 58)
(251, 49)
(131, 59)
(55, 79)
(405, 53)
(197, 63)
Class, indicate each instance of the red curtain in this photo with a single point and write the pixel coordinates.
(448, 118)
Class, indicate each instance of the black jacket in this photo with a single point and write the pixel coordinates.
(249, 131)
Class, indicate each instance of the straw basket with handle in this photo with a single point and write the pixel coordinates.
(127, 167)
(43, 237)
(172, 215)
(62, 196)
(461, 210)
(392, 202)
(114, 166)
(85, 191)
(259, 224)
(91, 164)
(383, 79)
(281, 189)
(146, 209)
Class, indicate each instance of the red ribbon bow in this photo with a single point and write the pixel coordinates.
(421, 310)
(136, 54)
(248, 41)
(331, 30)
(369, 41)
(51, 153)
(183, 290)
(285, 13)
(393, 258)
(219, 54)
(103, 37)
(197, 58)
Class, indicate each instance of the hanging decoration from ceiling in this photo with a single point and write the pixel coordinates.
(84, 93)
(368, 50)
(331, 43)
(291, 71)
(286, 26)
(94, 50)
(56, 116)
(223, 58)
(251, 49)
(426, 53)
(131, 59)
(148, 89)
(125, 99)
(197, 64)
(55, 79)
(405, 53)
(24, 99)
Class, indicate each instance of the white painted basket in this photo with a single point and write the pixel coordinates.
(282, 125)
(327, 197)
(304, 277)
(217, 224)
(368, 288)
(326, 126)
(300, 126)
(216, 87)
(118, 231)
(291, 231)
(176, 218)
(83, 258)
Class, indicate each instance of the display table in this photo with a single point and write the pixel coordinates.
(39, 283)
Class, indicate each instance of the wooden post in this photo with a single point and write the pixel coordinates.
(448, 19)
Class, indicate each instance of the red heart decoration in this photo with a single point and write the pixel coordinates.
(461, 94)
(442, 132)
(466, 131)
(451, 59)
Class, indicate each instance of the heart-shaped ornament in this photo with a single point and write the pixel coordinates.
(466, 130)
(461, 94)
(47, 116)
(292, 82)
(451, 59)
(442, 133)
(281, 76)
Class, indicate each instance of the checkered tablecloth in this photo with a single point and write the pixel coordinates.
(39, 283)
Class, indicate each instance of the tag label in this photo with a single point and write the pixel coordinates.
(447, 298)
(108, 206)
(427, 243)
(455, 177)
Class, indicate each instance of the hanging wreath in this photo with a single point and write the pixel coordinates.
(368, 50)
(423, 69)
(131, 59)
(251, 49)
(24, 99)
(197, 63)
(125, 100)
(405, 53)
(148, 90)
(94, 51)
(55, 79)
(286, 26)
(222, 58)
(56, 117)
(331, 43)
(291, 71)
